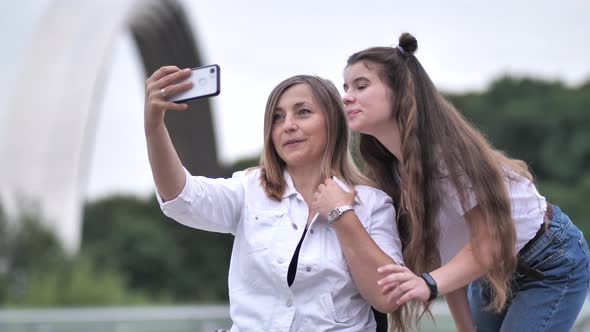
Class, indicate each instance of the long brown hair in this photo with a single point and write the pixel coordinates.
(337, 159)
(436, 143)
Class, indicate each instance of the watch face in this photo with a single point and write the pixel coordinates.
(333, 214)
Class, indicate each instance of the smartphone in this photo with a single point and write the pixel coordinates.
(205, 84)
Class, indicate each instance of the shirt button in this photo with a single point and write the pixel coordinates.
(311, 231)
(289, 303)
(308, 268)
(294, 226)
(280, 260)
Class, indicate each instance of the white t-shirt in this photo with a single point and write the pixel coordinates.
(528, 212)
(324, 296)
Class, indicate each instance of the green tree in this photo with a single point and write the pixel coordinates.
(36, 271)
(157, 254)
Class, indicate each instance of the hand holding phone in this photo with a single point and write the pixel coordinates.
(205, 84)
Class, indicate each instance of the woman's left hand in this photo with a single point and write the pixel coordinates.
(402, 285)
(329, 196)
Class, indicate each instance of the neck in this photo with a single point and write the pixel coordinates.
(390, 136)
(306, 180)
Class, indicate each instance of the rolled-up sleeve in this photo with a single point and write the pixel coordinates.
(383, 227)
(209, 204)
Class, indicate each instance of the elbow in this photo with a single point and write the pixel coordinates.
(384, 306)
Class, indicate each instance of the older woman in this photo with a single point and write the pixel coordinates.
(309, 233)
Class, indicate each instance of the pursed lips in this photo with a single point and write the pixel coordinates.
(351, 112)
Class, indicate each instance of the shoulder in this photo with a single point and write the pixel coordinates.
(255, 193)
(247, 175)
(371, 196)
(249, 179)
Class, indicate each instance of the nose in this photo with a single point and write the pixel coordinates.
(347, 98)
(289, 124)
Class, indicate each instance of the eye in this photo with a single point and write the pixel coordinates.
(304, 111)
(361, 87)
(277, 116)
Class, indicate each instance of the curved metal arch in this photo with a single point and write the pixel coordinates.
(48, 133)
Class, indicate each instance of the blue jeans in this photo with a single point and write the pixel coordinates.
(548, 304)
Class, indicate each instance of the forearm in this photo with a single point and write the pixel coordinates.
(459, 307)
(363, 257)
(167, 169)
(460, 271)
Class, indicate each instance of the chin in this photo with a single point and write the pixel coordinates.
(358, 127)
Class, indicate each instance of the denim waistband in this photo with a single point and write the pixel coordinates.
(556, 233)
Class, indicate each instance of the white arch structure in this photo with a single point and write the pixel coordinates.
(47, 133)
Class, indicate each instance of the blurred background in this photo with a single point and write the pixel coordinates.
(83, 244)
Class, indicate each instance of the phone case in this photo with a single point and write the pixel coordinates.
(205, 84)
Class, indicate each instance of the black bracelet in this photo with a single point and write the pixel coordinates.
(431, 283)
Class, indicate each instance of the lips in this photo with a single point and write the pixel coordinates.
(292, 142)
(350, 113)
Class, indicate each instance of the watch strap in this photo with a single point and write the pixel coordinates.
(431, 283)
(337, 212)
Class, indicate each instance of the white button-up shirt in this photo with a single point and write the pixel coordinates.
(323, 296)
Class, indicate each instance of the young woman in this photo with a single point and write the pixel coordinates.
(309, 236)
(466, 213)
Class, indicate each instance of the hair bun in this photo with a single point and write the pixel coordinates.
(408, 43)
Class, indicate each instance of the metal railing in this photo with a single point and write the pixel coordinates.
(194, 318)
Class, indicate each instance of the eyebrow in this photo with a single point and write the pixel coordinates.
(296, 105)
(361, 78)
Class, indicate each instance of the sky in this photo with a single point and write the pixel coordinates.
(463, 45)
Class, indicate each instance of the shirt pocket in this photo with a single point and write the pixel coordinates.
(259, 228)
(341, 316)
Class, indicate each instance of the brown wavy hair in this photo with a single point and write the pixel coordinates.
(438, 142)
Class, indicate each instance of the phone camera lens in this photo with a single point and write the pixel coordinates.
(212, 70)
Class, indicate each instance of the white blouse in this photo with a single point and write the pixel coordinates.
(528, 212)
(323, 296)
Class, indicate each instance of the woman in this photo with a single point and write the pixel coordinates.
(466, 213)
(292, 268)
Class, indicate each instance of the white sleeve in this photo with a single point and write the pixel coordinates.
(383, 227)
(209, 204)
(451, 196)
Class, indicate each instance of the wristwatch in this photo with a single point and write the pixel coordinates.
(431, 283)
(337, 212)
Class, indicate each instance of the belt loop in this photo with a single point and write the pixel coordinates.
(527, 271)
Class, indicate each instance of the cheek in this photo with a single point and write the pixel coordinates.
(322, 137)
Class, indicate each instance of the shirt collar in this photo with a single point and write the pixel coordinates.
(290, 187)
(343, 185)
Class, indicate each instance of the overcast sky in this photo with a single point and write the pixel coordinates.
(463, 45)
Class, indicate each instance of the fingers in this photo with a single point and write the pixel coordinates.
(167, 105)
(396, 278)
(164, 80)
(161, 72)
(172, 89)
(392, 268)
(409, 295)
(401, 285)
(172, 78)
